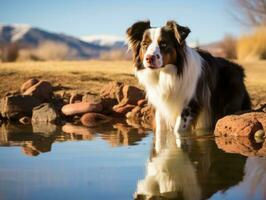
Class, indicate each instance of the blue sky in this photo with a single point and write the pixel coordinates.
(208, 20)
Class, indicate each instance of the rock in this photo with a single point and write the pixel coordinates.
(135, 113)
(112, 90)
(142, 117)
(122, 110)
(12, 93)
(75, 98)
(94, 119)
(17, 106)
(241, 125)
(43, 91)
(80, 108)
(45, 113)
(89, 98)
(148, 113)
(241, 145)
(132, 94)
(29, 83)
(142, 102)
(108, 105)
(25, 120)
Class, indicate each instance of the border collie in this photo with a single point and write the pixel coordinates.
(189, 88)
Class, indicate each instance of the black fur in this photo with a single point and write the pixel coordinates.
(225, 80)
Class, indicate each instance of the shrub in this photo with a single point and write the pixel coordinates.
(252, 46)
(228, 46)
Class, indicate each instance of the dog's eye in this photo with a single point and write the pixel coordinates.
(144, 45)
(163, 45)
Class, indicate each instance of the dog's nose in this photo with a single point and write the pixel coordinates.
(150, 59)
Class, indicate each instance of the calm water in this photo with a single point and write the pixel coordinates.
(119, 162)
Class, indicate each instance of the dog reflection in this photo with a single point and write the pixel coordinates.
(170, 173)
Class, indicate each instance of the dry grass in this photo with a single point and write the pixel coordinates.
(90, 76)
(253, 46)
(81, 76)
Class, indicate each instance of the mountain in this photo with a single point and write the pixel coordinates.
(27, 37)
(110, 41)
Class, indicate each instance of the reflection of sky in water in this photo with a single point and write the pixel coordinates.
(73, 170)
(116, 163)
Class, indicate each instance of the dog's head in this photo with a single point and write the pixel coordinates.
(156, 47)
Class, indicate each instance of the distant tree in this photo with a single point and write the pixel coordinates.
(250, 12)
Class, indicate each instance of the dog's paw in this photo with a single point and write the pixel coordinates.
(183, 125)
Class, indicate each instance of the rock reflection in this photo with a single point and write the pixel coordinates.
(39, 137)
(196, 170)
(241, 145)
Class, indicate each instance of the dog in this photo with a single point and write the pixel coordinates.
(189, 88)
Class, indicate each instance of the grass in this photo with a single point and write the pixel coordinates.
(90, 76)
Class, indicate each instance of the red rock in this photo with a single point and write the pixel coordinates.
(80, 108)
(112, 90)
(108, 105)
(241, 125)
(140, 116)
(42, 90)
(29, 83)
(123, 110)
(132, 94)
(75, 98)
(142, 102)
(94, 119)
(135, 113)
(148, 114)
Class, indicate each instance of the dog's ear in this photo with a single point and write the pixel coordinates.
(180, 32)
(135, 34)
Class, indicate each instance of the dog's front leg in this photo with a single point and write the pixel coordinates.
(187, 118)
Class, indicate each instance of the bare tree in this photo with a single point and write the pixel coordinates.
(250, 12)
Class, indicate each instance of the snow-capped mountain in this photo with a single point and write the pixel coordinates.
(14, 32)
(111, 41)
(26, 36)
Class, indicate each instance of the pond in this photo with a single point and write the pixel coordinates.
(116, 161)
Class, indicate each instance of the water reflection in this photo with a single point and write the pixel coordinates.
(253, 184)
(38, 138)
(199, 170)
(195, 170)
